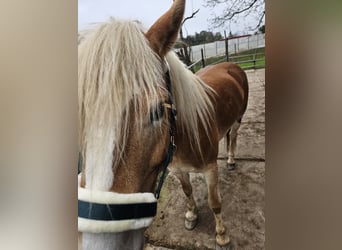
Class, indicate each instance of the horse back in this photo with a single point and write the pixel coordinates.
(231, 86)
(229, 82)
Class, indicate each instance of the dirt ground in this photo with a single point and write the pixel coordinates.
(242, 191)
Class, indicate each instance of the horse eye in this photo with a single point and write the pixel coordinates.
(157, 113)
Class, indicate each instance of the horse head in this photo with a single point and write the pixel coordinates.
(126, 128)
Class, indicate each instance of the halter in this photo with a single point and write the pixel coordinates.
(109, 212)
(172, 146)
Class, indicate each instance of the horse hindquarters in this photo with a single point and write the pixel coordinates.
(231, 85)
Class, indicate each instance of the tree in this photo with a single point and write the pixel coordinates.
(218, 36)
(184, 51)
(200, 38)
(235, 9)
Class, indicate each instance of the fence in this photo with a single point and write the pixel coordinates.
(234, 46)
(201, 53)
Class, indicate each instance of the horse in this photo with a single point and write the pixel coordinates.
(141, 109)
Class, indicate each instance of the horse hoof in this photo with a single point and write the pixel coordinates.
(231, 166)
(190, 224)
(222, 240)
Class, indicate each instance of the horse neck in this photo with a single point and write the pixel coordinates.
(108, 241)
(193, 99)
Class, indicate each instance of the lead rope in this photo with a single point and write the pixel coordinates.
(172, 146)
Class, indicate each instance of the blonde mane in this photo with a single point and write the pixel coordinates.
(118, 72)
(192, 98)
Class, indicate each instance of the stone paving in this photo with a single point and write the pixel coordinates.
(242, 191)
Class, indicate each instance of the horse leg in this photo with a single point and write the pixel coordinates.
(191, 213)
(214, 201)
(231, 144)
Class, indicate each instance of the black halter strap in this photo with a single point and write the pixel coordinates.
(172, 146)
(112, 212)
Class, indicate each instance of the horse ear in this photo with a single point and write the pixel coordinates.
(163, 33)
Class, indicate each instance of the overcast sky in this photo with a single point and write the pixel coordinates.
(146, 11)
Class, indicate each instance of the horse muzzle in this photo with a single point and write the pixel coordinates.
(109, 212)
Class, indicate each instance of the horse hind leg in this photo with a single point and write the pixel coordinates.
(214, 201)
(231, 144)
(191, 216)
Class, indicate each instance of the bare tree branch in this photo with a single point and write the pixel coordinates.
(237, 11)
(231, 15)
(189, 17)
(186, 19)
(260, 20)
(185, 50)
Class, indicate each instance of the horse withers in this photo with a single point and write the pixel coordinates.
(129, 85)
